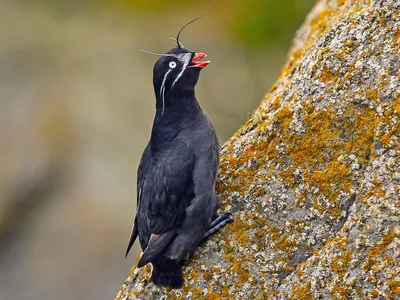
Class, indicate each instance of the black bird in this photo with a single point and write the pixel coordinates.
(176, 200)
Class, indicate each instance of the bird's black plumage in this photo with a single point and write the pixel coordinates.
(176, 199)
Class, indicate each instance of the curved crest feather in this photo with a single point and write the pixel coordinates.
(158, 54)
(179, 44)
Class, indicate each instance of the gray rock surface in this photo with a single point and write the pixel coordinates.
(313, 177)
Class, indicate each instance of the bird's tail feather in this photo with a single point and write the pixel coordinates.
(167, 273)
(133, 237)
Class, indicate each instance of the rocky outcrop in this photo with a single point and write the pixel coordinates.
(313, 177)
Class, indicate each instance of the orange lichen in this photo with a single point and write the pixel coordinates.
(225, 292)
(320, 22)
(340, 263)
(374, 293)
(197, 293)
(394, 286)
(378, 250)
(284, 116)
(396, 38)
(328, 75)
(195, 274)
(243, 277)
(207, 276)
(340, 292)
(242, 238)
(259, 192)
(308, 148)
(212, 296)
(372, 94)
(293, 60)
(299, 272)
(302, 292)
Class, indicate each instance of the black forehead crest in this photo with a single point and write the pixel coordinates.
(177, 51)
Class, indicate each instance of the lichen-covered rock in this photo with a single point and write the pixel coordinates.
(313, 178)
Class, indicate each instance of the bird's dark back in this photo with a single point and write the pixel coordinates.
(167, 187)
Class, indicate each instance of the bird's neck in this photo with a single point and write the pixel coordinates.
(174, 112)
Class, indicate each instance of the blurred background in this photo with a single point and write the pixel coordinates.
(76, 109)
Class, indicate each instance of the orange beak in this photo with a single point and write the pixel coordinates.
(196, 60)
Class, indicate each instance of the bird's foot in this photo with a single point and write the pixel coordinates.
(218, 222)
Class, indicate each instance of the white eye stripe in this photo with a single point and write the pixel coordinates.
(162, 90)
(172, 64)
(185, 58)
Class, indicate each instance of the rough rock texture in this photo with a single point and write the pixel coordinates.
(313, 177)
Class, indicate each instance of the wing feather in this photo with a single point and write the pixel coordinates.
(156, 245)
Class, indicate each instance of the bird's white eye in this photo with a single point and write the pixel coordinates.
(172, 64)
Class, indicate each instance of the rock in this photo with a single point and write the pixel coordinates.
(313, 176)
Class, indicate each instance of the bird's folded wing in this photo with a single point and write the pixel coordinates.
(156, 245)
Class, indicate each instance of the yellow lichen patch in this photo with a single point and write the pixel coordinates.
(335, 174)
(212, 296)
(328, 75)
(197, 293)
(284, 117)
(207, 276)
(275, 103)
(319, 23)
(360, 141)
(379, 249)
(228, 245)
(225, 292)
(216, 270)
(307, 150)
(259, 192)
(396, 38)
(284, 244)
(340, 292)
(195, 274)
(243, 277)
(394, 286)
(340, 263)
(244, 177)
(259, 152)
(302, 292)
(147, 272)
(316, 153)
(242, 238)
(396, 104)
(374, 293)
(288, 175)
(294, 58)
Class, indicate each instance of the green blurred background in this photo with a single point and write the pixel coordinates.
(76, 108)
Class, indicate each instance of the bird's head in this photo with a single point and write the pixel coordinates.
(178, 70)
